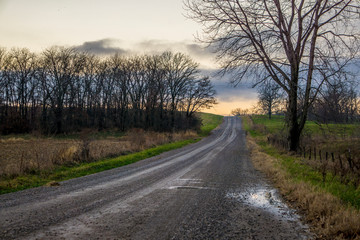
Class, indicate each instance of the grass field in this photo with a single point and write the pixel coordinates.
(277, 124)
(19, 155)
(328, 194)
(209, 122)
(26, 161)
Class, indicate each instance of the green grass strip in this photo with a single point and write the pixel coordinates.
(277, 124)
(209, 122)
(299, 171)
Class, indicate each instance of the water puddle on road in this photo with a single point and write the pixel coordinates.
(266, 199)
(188, 183)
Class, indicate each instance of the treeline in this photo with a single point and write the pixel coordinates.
(64, 90)
(337, 102)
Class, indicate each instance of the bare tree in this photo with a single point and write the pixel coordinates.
(270, 97)
(3, 85)
(239, 111)
(180, 71)
(120, 71)
(23, 66)
(2, 77)
(153, 95)
(200, 95)
(289, 42)
(338, 102)
(87, 88)
(61, 66)
(3, 67)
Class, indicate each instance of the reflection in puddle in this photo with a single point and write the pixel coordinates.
(266, 199)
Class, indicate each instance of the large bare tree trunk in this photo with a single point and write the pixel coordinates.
(292, 121)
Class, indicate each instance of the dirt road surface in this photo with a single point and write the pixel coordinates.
(207, 190)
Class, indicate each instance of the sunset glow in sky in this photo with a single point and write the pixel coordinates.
(107, 26)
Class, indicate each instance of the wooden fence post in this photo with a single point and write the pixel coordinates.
(341, 164)
(304, 149)
(350, 161)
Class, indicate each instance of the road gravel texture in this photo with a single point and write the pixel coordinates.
(207, 190)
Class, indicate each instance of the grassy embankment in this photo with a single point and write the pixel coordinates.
(50, 176)
(209, 122)
(330, 205)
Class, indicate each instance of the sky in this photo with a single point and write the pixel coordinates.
(109, 26)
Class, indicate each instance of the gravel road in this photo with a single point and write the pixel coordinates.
(207, 190)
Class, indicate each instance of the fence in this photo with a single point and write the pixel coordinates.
(345, 165)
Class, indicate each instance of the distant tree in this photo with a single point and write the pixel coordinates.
(155, 93)
(180, 71)
(289, 42)
(87, 91)
(270, 97)
(200, 95)
(23, 65)
(3, 67)
(120, 71)
(3, 87)
(239, 112)
(60, 66)
(338, 102)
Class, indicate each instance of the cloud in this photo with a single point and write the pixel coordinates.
(200, 51)
(193, 49)
(229, 93)
(110, 46)
(102, 47)
(243, 95)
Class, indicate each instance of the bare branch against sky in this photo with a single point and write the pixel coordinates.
(290, 42)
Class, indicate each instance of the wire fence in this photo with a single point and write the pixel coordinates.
(343, 164)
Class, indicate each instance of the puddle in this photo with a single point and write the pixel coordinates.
(188, 183)
(266, 199)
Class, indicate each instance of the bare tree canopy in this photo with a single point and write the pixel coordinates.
(297, 44)
(63, 90)
(270, 98)
(239, 111)
(337, 102)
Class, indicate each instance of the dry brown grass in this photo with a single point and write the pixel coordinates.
(328, 217)
(19, 156)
